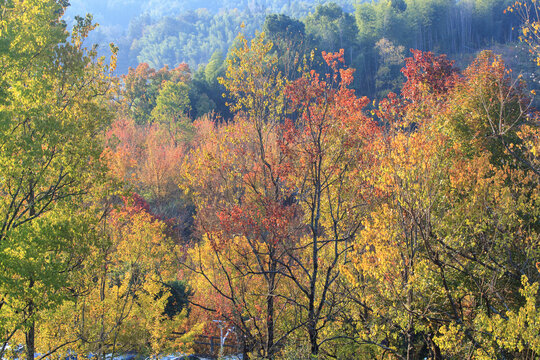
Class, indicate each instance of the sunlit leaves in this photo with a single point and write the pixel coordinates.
(456, 198)
(530, 27)
(254, 81)
(52, 111)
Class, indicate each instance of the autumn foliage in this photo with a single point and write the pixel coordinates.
(314, 224)
(350, 235)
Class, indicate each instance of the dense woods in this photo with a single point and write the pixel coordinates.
(376, 37)
(170, 33)
(314, 190)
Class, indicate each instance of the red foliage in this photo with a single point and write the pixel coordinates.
(136, 203)
(328, 108)
(427, 74)
(271, 221)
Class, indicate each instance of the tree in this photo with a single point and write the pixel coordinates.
(387, 78)
(333, 29)
(124, 290)
(214, 68)
(289, 39)
(279, 27)
(273, 202)
(137, 97)
(242, 214)
(172, 103)
(390, 256)
(139, 92)
(52, 110)
(328, 150)
(528, 14)
(145, 158)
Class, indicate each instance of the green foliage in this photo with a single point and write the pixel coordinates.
(289, 38)
(179, 292)
(52, 111)
(457, 203)
(436, 25)
(148, 95)
(214, 68)
(171, 32)
(388, 77)
(192, 37)
(517, 331)
(320, 231)
(332, 28)
(283, 27)
(172, 103)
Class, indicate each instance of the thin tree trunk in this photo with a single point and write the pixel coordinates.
(270, 314)
(30, 333)
(270, 327)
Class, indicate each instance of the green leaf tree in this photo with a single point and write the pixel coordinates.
(52, 110)
(172, 103)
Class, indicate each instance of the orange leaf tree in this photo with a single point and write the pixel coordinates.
(244, 208)
(328, 145)
(279, 200)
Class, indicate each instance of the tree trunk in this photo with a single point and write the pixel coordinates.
(30, 332)
(270, 327)
(312, 318)
(410, 327)
(313, 339)
(270, 314)
(435, 350)
(30, 341)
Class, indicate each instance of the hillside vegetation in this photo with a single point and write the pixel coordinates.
(314, 190)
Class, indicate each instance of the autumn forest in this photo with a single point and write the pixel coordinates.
(311, 190)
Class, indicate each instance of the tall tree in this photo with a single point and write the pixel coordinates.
(333, 29)
(242, 213)
(52, 110)
(328, 150)
(277, 211)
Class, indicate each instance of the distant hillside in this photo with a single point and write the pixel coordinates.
(172, 31)
(376, 35)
